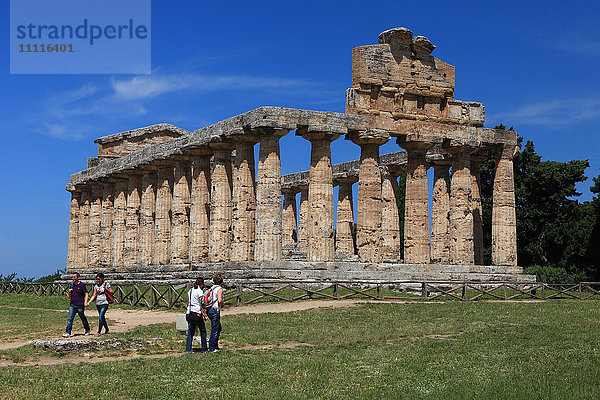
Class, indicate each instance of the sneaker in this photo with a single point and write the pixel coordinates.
(88, 333)
(215, 351)
(66, 335)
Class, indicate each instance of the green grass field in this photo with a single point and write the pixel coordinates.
(453, 350)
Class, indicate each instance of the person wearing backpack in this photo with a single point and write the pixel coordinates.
(195, 316)
(213, 304)
(103, 294)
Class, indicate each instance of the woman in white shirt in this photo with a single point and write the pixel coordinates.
(195, 317)
(214, 313)
(100, 289)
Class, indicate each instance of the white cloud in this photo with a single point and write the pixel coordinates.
(88, 110)
(553, 113)
(149, 86)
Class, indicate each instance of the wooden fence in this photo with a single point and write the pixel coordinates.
(170, 296)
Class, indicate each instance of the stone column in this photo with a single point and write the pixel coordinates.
(288, 223)
(476, 207)
(243, 199)
(504, 218)
(440, 213)
(83, 241)
(416, 207)
(163, 215)
(390, 220)
(268, 196)
(303, 219)
(106, 225)
(321, 242)
(119, 216)
(200, 209)
(368, 209)
(344, 242)
(461, 213)
(180, 228)
(220, 204)
(132, 222)
(147, 210)
(73, 230)
(95, 220)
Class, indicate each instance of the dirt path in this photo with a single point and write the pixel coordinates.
(126, 320)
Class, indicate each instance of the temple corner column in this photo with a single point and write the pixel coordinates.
(504, 218)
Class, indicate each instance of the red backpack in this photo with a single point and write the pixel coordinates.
(207, 300)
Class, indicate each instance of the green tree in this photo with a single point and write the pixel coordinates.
(554, 230)
(592, 255)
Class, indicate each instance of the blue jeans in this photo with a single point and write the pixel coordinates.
(190, 335)
(215, 328)
(101, 320)
(79, 310)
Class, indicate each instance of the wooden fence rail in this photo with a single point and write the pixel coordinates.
(170, 296)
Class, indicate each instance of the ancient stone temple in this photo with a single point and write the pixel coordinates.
(160, 201)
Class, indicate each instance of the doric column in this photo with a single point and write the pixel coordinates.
(73, 230)
(344, 242)
(147, 210)
(106, 224)
(461, 213)
(119, 216)
(163, 215)
(504, 218)
(476, 207)
(303, 219)
(390, 220)
(268, 196)
(83, 241)
(95, 220)
(288, 224)
(180, 228)
(416, 206)
(200, 209)
(243, 199)
(369, 206)
(132, 221)
(220, 203)
(321, 242)
(440, 213)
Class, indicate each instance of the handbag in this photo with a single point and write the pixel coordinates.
(193, 317)
(109, 297)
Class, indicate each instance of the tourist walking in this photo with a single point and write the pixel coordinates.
(195, 316)
(214, 312)
(79, 296)
(102, 292)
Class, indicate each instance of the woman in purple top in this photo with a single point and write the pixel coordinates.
(79, 296)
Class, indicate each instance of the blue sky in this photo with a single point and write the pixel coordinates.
(534, 65)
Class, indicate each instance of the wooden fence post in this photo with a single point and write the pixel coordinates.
(238, 292)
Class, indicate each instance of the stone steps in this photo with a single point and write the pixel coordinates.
(316, 266)
(297, 270)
